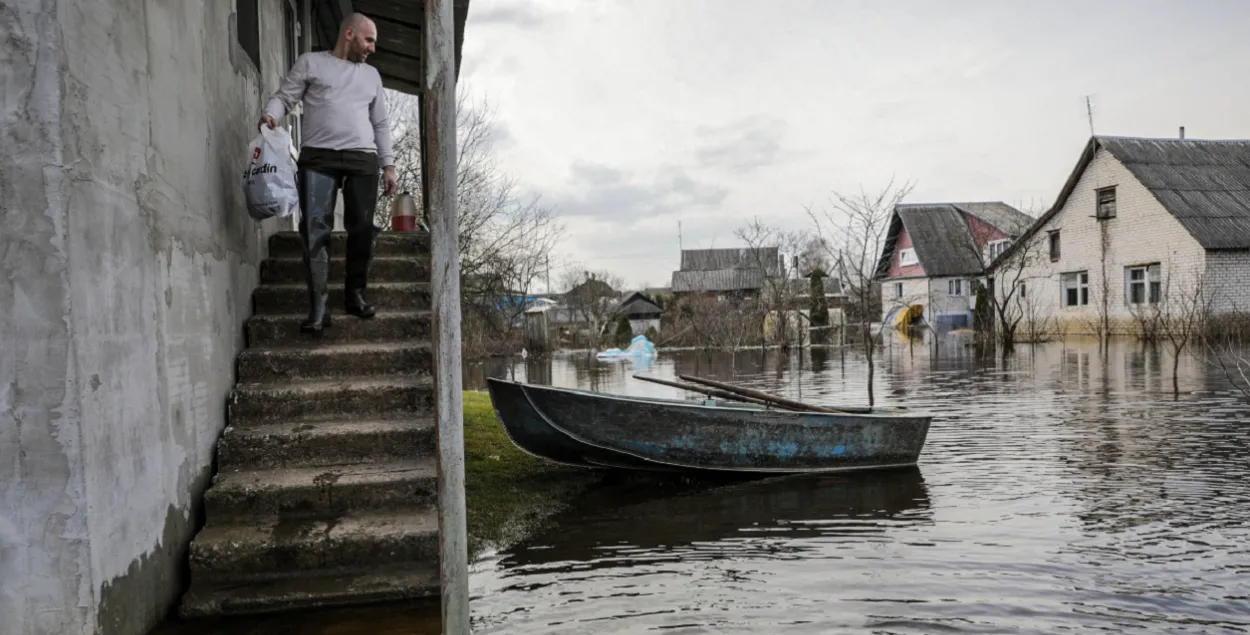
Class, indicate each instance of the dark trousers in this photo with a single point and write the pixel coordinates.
(321, 174)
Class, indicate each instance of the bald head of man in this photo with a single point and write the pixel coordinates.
(358, 37)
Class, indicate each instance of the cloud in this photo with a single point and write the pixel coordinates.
(744, 146)
(597, 190)
(516, 14)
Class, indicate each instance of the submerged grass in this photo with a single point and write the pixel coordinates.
(508, 492)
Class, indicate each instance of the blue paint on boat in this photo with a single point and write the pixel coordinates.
(784, 450)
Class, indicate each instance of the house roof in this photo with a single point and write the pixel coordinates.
(717, 281)
(940, 235)
(639, 304)
(400, 48)
(732, 258)
(1204, 183)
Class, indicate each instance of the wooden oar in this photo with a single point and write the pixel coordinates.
(762, 396)
(711, 392)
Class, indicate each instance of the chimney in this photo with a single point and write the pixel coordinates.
(1182, 132)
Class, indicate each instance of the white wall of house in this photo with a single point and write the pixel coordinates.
(129, 263)
(950, 302)
(900, 292)
(1228, 280)
(1142, 232)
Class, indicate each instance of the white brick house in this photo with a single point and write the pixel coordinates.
(1139, 224)
(933, 252)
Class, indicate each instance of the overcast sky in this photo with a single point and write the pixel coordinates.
(630, 115)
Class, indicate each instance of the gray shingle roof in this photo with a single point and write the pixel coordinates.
(1000, 216)
(1204, 184)
(734, 258)
(940, 235)
(723, 280)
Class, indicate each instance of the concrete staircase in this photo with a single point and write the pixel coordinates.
(326, 486)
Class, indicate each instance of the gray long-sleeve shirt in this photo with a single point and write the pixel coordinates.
(344, 105)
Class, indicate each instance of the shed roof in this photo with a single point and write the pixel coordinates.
(400, 47)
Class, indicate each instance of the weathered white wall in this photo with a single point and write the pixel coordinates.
(130, 263)
(1142, 232)
(1228, 281)
(942, 303)
(915, 292)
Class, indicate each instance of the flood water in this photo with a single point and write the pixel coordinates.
(1062, 491)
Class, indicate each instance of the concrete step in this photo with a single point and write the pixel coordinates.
(328, 491)
(255, 404)
(293, 297)
(381, 269)
(280, 548)
(314, 360)
(398, 326)
(312, 443)
(287, 244)
(381, 584)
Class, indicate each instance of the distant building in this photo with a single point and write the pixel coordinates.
(934, 251)
(642, 312)
(726, 274)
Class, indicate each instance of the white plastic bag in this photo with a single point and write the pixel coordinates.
(269, 178)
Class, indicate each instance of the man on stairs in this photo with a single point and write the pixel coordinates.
(346, 139)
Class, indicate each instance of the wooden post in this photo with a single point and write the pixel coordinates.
(438, 116)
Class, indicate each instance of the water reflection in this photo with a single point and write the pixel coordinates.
(738, 520)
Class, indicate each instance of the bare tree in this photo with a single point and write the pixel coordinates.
(505, 236)
(779, 292)
(1184, 315)
(853, 229)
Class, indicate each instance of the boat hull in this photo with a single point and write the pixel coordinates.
(533, 434)
(688, 435)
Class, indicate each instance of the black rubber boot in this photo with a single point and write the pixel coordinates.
(360, 200)
(317, 194)
(356, 305)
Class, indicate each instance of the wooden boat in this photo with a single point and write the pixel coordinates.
(588, 429)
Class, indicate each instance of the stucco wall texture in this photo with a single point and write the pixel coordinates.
(127, 262)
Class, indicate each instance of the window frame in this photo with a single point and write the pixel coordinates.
(903, 257)
(1053, 245)
(1077, 282)
(955, 287)
(247, 29)
(1150, 283)
(1100, 205)
(1001, 245)
(898, 290)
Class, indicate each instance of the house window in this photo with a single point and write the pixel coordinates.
(247, 28)
(955, 287)
(1053, 240)
(898, 290)
(1024, 291)
(1075, 288)
(1106, 202)
(997, 247)
(1142, 284)
(907, 257)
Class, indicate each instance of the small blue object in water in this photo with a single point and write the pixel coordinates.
(639, 347)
